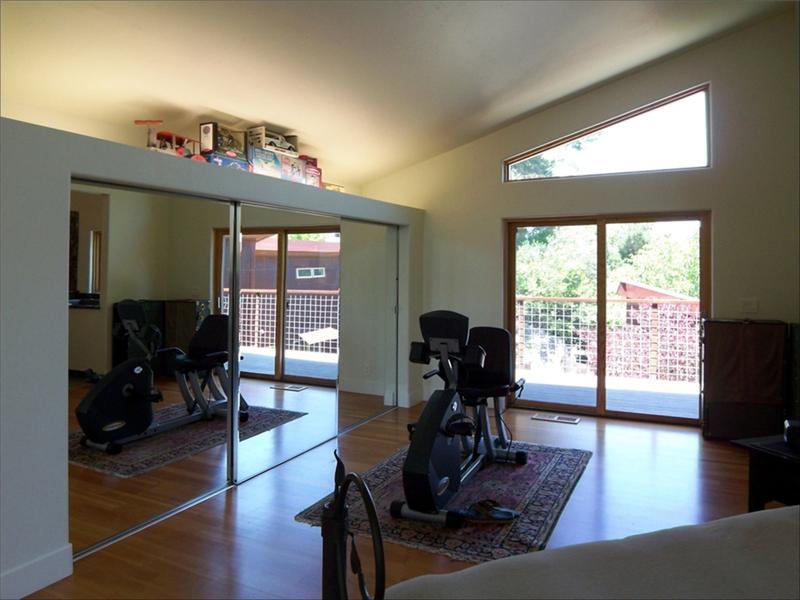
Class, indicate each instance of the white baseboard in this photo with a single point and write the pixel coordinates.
(34, 575)
(362, 386)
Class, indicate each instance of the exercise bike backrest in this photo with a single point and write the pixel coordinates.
(445, 333)
(211, 338)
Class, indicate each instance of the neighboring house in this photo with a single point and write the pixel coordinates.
(310, 264)
(633, 289)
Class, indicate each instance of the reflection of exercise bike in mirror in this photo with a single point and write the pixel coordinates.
(118, 409)
(448, 446)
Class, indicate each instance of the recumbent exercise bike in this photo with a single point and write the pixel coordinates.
(119, 408)
(447, 445)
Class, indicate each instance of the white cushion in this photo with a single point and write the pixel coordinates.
(755, 555)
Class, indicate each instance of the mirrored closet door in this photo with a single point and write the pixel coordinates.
(288, 332)
(154, 319)
(146, 407)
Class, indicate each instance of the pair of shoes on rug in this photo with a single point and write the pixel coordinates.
(489, 511)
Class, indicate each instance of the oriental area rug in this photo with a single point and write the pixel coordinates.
(539, 490)
(164, 448)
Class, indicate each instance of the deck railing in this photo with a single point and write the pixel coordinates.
(645, 338)
(306, 311)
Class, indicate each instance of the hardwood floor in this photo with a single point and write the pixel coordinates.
(103, 505)
(245, 543)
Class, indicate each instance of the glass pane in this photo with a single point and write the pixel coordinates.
(556, 313)
(156, 250)
(653, 318)
(258, 275)
(311, 320)
(672, 136)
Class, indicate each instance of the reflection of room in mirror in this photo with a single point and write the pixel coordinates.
(316, 307)
(132, 245)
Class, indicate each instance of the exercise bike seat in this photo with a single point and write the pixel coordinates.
(208, 347)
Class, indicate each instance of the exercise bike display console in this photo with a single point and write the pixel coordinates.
(448, 446)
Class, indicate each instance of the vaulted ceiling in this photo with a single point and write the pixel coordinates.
(369, 87)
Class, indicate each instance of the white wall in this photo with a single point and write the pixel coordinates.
(368, 264)
(751, 189)
(139, 237)
(34, 206)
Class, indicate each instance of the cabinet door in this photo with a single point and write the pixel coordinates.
(181, 319)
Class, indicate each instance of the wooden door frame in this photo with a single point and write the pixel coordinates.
(601, 221)
(280, 293)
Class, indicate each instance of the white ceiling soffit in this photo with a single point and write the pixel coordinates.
(370, 87)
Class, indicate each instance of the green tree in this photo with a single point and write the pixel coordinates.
(557, 261)
(316, 237)
(561, 261)
(531, 168)
(534, 235)
(661, 256)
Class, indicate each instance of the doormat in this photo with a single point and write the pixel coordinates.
(539, 490)
(162, 449)
(556, 418)
(289, 388)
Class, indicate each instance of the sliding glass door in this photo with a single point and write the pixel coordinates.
(555, 313)
(311, 318)
(635, 352)
(653, 318)
(289, 301)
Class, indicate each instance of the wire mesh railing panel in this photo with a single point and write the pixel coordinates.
(650, 339)
(312, 313)
(311, 320)
(557, 335)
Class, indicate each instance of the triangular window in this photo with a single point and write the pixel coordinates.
(669, 134)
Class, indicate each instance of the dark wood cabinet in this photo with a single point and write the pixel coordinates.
(181, 320)
(745, 378)
(176, 319)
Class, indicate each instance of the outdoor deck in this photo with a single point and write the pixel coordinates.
(315, 365)
(664, 398)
